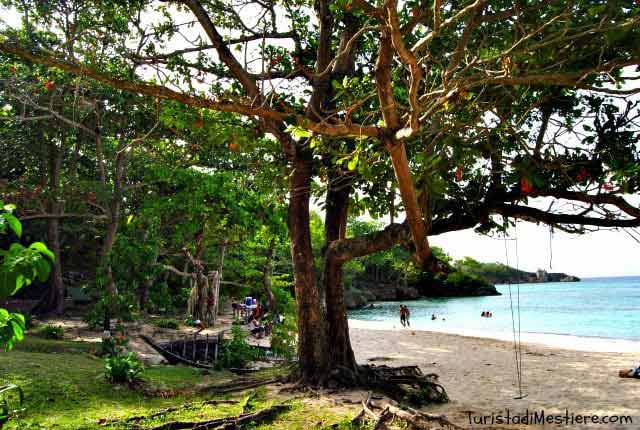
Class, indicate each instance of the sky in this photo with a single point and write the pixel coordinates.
(602, 253)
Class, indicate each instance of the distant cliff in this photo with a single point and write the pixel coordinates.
(498, 273)
(377, 283)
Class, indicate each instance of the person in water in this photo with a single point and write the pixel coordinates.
(407, 314)
(433, 317)
(403, 316)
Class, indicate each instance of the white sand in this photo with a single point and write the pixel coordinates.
(480, 377)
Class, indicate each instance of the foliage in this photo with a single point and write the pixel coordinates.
(123, 368)
(495, 272)
(108, 306)
(236, 352)
(284, 338)
(6, 411)
(49, 331)
(19, 266)
(284, 333)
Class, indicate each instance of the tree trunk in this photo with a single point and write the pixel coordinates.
(312, 351)
(53, 300)
(114, 220)
(267, 271)
(337, 206)
(407, 189)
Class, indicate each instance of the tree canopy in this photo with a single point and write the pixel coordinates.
(472, 112)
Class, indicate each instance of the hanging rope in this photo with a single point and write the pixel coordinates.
(550, 247)
(519, 321)
(517, 344)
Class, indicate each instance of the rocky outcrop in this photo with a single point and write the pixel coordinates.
(374, 285)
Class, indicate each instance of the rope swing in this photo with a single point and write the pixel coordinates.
(517, 343)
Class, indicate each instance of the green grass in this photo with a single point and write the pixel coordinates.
(65, 389)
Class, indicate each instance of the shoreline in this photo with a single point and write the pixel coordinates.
(558, 341)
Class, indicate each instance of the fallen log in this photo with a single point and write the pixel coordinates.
(228, 423)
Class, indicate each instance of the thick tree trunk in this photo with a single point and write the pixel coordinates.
(312, 351)
(337, 205)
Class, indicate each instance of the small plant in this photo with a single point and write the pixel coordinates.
(123, 368)
(49, 331)
(236, 352)
(167, 323)
(5, 410)
(284, 341)
(114, 345)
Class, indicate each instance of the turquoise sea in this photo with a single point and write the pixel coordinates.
(606, 308)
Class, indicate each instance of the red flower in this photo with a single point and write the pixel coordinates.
(525, 186)
(234, 146)
(607, 186)
(198, 123)
(49, 85)
(459, 173)
(583, 174)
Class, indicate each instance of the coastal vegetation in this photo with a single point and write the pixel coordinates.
(162, 160)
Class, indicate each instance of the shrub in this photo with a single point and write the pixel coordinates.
(236, 352)
(167, 323)
(114, 345)
(49, 331)
(118, 307)
(121, 368)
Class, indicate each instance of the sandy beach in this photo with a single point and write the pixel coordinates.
(479, 374)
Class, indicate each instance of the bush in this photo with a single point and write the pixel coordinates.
(284, 341)
(167, 323)
(123, 368)
(236, 352)
(118, 307)
(49, 331)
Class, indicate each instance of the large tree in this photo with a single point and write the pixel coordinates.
(477, 107)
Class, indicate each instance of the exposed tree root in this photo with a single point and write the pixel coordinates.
(164, 411)
(228, 423)
(238, 385)
(410, 418)
(406, 384)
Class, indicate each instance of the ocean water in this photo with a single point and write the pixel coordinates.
(606, 308)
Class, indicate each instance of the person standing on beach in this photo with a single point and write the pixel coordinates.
(403, 316)
(407, 313)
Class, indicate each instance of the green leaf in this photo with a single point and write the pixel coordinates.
(353, 163)
(14, 224)
(42, 249)
(42, 269)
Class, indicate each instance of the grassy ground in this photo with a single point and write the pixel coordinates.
(65, 389)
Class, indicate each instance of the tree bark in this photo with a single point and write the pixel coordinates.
(53, 300)
(267, 272)
(407, 189)
(312, 352)
(337, 206)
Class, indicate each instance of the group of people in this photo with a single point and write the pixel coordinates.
(486, 314)
(404, 316)
(252, 312)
